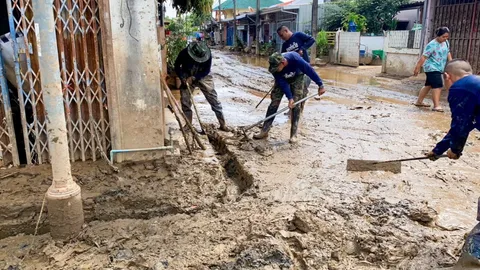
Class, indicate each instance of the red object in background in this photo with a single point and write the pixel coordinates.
(167, 32)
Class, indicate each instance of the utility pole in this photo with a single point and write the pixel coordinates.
(313, 56)
(64, 201)
(257, 28)
(220, 21)
(234, 23)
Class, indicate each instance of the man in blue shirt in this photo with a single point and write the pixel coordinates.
(296, 42)
(464, 100)
(289, 71)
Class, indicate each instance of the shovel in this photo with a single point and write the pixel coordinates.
(245, 129)
(395, 166)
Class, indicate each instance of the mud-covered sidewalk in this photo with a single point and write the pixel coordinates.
(269, 204)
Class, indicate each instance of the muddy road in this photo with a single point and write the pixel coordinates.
(271, 205)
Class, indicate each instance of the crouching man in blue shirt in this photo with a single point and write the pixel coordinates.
(289, 70)
(464, 100)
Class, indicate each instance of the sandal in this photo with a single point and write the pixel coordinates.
(421, 105)
(437, 110)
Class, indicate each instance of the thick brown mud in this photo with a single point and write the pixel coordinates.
(267, 204)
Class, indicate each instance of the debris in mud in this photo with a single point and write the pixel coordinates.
(382, 115)
(241, 100)
(424, 215)
(302, 222)
(265, 253)
(359, 108)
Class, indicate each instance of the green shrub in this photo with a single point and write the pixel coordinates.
(322, 43)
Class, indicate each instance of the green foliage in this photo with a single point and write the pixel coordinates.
(393, 24)
(335, 13)
(195, 6)
(200, 19)
(180, 28)
(239, 45)
(379, 13)
(267, 49)
(358, 19)
(322, 43)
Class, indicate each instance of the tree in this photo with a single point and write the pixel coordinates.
(379, 13)
(335, 14)
(195, 6)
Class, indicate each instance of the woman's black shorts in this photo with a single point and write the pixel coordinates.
(434, 79)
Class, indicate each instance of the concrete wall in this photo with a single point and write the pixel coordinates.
(349, 48)
(372, 43)
(400, 62)
(400, 59)
(133, 66)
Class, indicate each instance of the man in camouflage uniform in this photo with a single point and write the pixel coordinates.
(193, 66)
(289, 70)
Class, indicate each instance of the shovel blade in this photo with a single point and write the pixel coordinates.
(357, 165)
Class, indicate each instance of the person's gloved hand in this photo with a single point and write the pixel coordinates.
(321, 90)
(432, 156)
(290, 103)
(452, 155)
(190, 80)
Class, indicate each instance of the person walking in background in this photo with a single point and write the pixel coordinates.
(433, 60)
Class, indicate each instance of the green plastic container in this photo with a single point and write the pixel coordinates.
(378, 53)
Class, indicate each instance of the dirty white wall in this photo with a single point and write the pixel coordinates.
(402, 49)
(136, 96)
(348, 48)
(372, 43)
(401, 62)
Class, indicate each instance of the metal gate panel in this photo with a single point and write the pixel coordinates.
(77, 25)
(8, 141)
(20, 13)
(79, 43)
(461, 17)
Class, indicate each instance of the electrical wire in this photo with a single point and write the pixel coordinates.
(130, 25)
(130, 21)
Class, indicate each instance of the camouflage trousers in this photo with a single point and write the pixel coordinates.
(299, 88)
(207, 87)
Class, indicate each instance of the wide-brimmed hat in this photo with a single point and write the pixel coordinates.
(275, 59)
(199, 52)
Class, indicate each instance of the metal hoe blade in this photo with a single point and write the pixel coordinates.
(356, 165)
(395, 166)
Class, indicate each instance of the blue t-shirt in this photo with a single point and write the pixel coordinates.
(437, 56)
(299, 41)
(295, 66)
(464, 100)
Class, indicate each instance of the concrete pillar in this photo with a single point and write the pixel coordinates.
(257, 29)
(133, 60)
(64, 202)
(313, 49)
